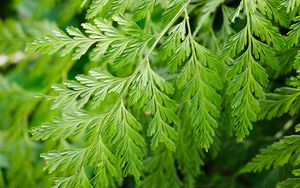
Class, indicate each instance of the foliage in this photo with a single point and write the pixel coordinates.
(149, 93)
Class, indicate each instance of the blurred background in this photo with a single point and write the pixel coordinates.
(23, 78)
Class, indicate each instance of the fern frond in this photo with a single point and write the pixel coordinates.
(144, 8)
(188, 164)
(15, 34)
(110, 7)
(118, 7)
(66, 160)
(93, 88)
(160, 170)
(103, 38)
(200, 79)
(297, 61)
(172, 41)
(289, 183)
(106, 166)
(237, 12)
(264, 29)
(211, 6)
(96, 152)
(283, 100)
(248, 77)
(296, 172)
(290, 5)
(148, 89)
(115, 127)
(278, 154)
(173, 9)
(79, 179)
(61, 41)
(69, 125)
(270, 8)
(156, 84)
(123, 127)
(119, 126)
(10, 31)
(226, 30)
(96, 8)
(294, 39)
(236, 44)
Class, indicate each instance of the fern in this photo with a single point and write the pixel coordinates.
(278, 154)
(149, 93)
(108, 41)
(292, 182)
(200, 71)
(247, 76)
(282, 100)
(94, 87)
(148, 90)
(188, 164)
(15, 34)
(144, 8)
(271, 157)
(290, 5)
(113, 7)
(116, 128)
(162, 170)
(294, 38)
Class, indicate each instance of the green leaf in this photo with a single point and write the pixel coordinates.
(110, 7)
(289, 183)
(270, 9)
(123, 128)
(77, 180)
(283, 100)
(148, 91)
(264, 29)
(95, 7)
(144, 8)
(172, 9)
(290, 5)
(275, 155)
(246, 74)
(160, 170)
(201, 80)
(105, 40)
(71, 124)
